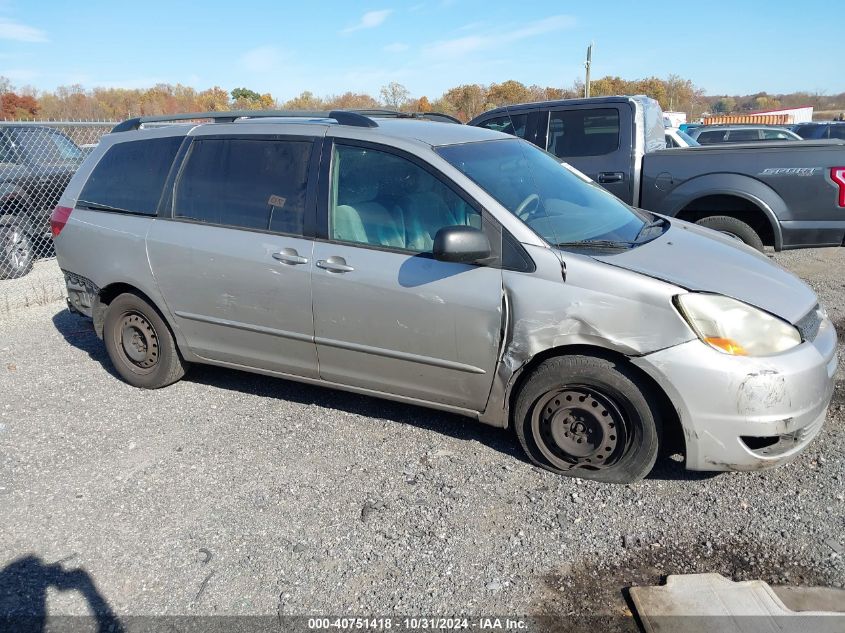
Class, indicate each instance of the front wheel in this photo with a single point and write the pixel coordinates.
(734, 228)
(16, 254)
(140, 345)
(588, 417)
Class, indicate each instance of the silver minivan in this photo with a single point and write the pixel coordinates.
(446, 266)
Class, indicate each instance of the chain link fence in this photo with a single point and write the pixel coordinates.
(37, 161)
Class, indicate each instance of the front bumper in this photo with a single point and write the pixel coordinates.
(744, 413)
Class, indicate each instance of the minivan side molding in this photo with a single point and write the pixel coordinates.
(389, 353)
(355, 347)
(238, 325)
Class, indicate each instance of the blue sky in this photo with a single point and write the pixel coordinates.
(428, 45)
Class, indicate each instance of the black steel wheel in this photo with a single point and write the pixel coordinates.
(588, 417)
(579, 426)
(140, 344)
(138, 341)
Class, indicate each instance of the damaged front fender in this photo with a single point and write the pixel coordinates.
(597, 305)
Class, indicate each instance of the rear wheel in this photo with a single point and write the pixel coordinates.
(16, 254)
(140, 345)
(733, 227)
(588, 417)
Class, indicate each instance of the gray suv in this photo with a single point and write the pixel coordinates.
(447, 266)
(713, 134)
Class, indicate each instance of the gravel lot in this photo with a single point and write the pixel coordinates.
(231, 493)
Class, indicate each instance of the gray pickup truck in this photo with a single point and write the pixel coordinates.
(784, 195)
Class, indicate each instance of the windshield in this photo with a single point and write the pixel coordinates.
(559, 204)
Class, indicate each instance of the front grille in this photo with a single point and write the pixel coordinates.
(810, 323)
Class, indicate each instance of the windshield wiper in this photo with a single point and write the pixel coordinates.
(648, 226)
(657, 221)
(597, 244)
(94, 206)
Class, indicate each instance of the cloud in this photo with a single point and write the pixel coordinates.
(471, 43)
(11, 30)
(262, 59)
(369, 20)
(396, 47)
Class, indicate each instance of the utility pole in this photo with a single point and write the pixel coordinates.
(587, 66)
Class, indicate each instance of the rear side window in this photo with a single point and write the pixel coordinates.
(837, 131)
(735, 136)
(584, 132)
(711, 136)
(130, 176)
(515, 124)
(776, 135)
(255, 184)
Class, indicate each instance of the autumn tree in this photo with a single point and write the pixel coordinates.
(394, 95)
(213, 100)
(422, 105)
(506, 93)
(464, 102)
(305, 101)
(351, 101)
(15, 106)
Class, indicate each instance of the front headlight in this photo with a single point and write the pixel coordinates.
(734, 327)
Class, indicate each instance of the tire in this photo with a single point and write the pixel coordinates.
(588, 417)
(140, 344)
(733, 227)
(16, 253)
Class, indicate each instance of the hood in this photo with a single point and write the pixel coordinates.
(696, 258)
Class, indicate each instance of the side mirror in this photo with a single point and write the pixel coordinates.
(461, 244)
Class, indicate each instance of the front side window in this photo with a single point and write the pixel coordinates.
(776, 135)
(256, 184)
(509, 124)
(558, 204)
(130, 176)
(382, 199)
(583, 132)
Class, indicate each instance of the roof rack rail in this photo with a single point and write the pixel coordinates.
(351, 117)
(343, 117)
(431, 116)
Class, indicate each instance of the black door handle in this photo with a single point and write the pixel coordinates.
(608, 177)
